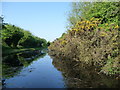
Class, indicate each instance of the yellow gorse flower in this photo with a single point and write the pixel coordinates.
(84, 25)
(117, 26)
(63, 42)
(92, 18)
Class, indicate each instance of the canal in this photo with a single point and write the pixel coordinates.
(37, 69)
(23, 70)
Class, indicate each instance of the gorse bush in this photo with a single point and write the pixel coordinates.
(93, 39)
(90, 44)
(84, 25)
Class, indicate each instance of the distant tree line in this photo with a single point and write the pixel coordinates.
(16, 37)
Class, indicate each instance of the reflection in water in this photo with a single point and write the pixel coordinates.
(31, 71)
(12, 64)
(45, 75)
(78, 76)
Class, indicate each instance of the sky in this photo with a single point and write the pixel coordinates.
(46, 20)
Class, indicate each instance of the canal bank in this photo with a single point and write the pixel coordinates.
(9, 51)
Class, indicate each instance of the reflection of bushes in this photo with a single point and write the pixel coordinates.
(92, 44)
(9, 71)
(12, 60)
(27, 58)
(78, 76)
(13, 64)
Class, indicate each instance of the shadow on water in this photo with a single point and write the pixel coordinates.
(13, 64)
(78, 76)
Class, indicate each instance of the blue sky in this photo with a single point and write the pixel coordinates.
(43, 19)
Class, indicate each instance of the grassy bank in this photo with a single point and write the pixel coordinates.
(8, 51)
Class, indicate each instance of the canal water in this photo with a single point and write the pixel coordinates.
(36, 69)
(23, 70)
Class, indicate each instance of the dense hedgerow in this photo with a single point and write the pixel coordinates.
(92, 44)
(92, 38)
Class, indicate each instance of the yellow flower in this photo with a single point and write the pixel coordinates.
(77, 30)
(88, 27)
(94, 21)
(82, 27)
(92, 25)
(74, 29)
(97, 19)
(117, 26)
(92, 18)
(87, 21)
(63, 42)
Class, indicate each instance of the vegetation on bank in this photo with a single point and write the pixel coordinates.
(8, 51)
(92, 37)
(15, 39)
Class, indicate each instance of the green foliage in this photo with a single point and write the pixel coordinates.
(106, 11)
(48, 43)
(112, 66)
(15, 37)
(11, 35)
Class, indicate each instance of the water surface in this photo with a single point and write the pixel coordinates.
(21, 71)
(36, 69)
